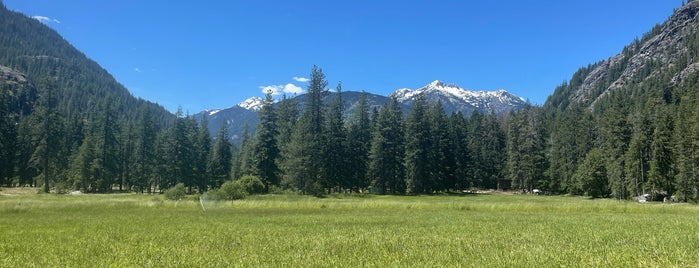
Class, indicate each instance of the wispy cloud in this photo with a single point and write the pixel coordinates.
(46, 20)
(279, 89)
(138, 70)
(301, 79)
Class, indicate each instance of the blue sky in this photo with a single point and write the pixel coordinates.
(215, 54)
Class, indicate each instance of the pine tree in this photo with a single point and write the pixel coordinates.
(145, 158)
(303, 163)
(358, 145)
(386, 158)
(442, 152)
(242, 157)
(8, 141)
(266, 151)
(487, 146)
(526, 150)
(287, 115)
(418, 149)
(684, 151)
(660, 175)
(219, 165)
(335, 168)
(458, 134)
(615, 134)
(47, 131)
(202, 156)
(515, 140)
(637, 157)
(568, 144)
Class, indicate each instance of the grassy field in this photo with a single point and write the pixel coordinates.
(344, 231)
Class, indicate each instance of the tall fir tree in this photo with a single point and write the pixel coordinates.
(615, 134)
(358, 145)
(442, 153)
(660, 175)
(202, 156)
(335, 140)
(418, 149)
(386, 158)
(220, 162)
(266, 150)
(242, 156)
(458, 133)
(46, 132)
(303, 163)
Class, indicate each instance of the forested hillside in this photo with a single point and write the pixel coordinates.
(65, 121)
(628, 125)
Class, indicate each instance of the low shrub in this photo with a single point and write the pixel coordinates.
(177, 192)
(252, 184)
(230, 190)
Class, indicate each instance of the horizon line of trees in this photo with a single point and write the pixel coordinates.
(615, 149)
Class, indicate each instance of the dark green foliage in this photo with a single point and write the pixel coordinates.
(243, 155)
(486, 145)
(571, 136)
(266, 151)
(418, 149)
(303, 164)
(358, 145)
(526, 159)
(386, 157)
(660, 175)
(335, 148)
(219, 164)
(591, 176)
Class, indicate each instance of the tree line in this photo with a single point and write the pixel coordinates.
(622, 148)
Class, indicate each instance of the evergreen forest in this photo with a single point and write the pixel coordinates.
(67, 125)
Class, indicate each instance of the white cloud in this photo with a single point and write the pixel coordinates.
(137, 70)
(279, 89)
(293, 89)
(44, 19)
(301, 79)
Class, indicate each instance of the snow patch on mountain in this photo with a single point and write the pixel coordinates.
(252, 104)
(454, 94)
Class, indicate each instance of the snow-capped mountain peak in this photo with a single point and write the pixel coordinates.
(454, 97)
(253, 104)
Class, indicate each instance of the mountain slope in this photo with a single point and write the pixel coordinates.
(45, 81)
(45, 59)
(668, 55)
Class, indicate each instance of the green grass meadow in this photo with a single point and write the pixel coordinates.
(495, 230)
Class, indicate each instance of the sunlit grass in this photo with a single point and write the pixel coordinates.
(348, 231)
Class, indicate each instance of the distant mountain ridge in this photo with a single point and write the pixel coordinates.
(455, 98)
(452, 97)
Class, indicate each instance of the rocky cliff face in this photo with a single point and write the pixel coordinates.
(666, 48)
